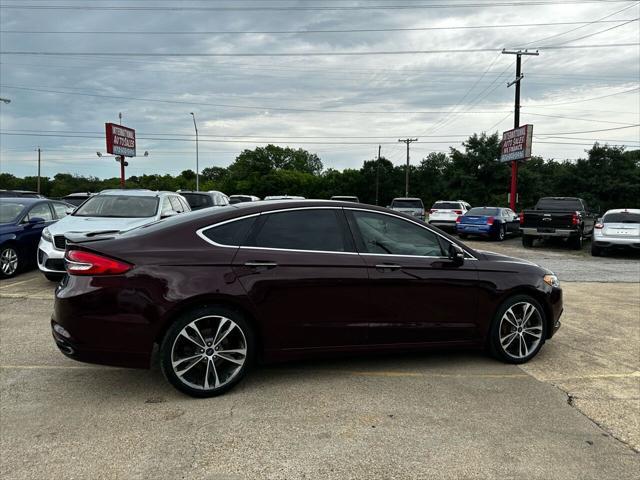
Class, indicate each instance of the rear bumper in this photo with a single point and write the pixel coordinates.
(471, 229)
(443, 223)
(558, 232)
(615, 242)
(91, 324)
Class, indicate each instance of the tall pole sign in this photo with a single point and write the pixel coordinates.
(516, 119)
(121, 141)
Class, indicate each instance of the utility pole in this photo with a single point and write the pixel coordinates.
(378, 174)
(121, 159)
(38, 169)
(408, 141)
(197, 160)
(516, 118)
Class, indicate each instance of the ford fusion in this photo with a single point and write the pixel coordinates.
(219, 289)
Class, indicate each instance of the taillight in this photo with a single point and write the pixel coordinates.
(521, 217)
(459, 219)
(458, 212)
(490, 220)
(575, 219)
(599, 226)
(79, 262)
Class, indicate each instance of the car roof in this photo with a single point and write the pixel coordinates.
(623, 210)
(407, 198)
(25, 200)
(138, 192)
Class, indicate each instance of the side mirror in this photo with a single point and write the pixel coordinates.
(456, 254)
(69, 210)
(33, 221)
(168, 213)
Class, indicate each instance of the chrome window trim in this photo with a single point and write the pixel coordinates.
(200, 233)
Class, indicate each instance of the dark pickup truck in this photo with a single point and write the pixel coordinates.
(564, 217)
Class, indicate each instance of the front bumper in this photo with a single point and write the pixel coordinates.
(556, 307)
(50, 259)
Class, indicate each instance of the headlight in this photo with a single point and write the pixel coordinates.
(46, 234)
(552, 280)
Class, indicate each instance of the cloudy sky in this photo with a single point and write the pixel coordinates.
(328, 89)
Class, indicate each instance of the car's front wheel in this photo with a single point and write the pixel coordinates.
(518, 330)
(207, 351)
(9, 261)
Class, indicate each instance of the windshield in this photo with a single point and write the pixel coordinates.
(622, 217)
(120, 206)
(446, 206)
(10, 210)
(483, 211)
(407, 204)
(571, 204)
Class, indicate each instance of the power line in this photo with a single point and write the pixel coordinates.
(296, 32)
(586, 99)
(227, 105)
(306, 54)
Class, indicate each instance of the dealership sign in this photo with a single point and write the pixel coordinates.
(120, 140)
(516, 144)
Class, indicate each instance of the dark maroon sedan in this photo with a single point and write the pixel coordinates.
(219, 289)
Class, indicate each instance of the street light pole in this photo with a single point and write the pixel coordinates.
(195, 126)
(38, 169)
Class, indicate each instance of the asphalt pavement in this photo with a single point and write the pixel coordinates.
(572, 412)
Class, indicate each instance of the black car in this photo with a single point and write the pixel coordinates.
(199, 200)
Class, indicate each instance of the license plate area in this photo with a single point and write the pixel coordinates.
(546, 230)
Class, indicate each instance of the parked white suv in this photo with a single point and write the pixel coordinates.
(108, 211)
(444, 213)
(408, 205)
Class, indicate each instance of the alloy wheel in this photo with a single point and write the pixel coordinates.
(9, 261)
(209, 352)
(520, 330)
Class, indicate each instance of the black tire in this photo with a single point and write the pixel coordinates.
(577, 242)
(596, 251)
(10, 261)
(462, 236)
(206, 316)
(53, 277)
(500, 234)
(495, 347)
(527, 241)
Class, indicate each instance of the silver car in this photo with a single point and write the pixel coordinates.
(110, 210)
(618, 228)
(408, 205)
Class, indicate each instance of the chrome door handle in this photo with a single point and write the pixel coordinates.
(261, 265)
(388, 266)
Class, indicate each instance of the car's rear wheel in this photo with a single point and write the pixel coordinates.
(501, 233)
(527, 241)
(595, 250)
(207, 351)
(518, 330)
(10, 261)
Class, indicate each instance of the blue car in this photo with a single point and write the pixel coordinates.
(21, 223)
(492, 222)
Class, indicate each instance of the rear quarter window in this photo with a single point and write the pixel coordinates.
(231, 234)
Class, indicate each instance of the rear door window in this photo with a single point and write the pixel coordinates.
(314, 230)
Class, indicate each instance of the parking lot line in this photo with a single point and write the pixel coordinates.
(21, 295)
(9, 285)
(58, 367)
